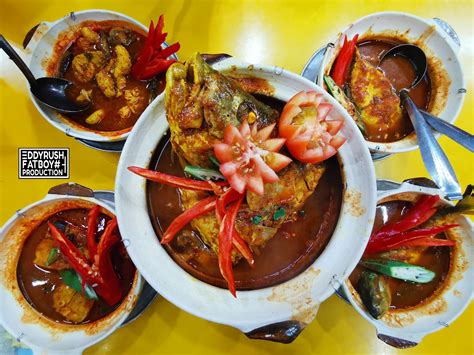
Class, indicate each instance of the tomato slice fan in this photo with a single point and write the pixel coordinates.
(310, 136)
(249, 157)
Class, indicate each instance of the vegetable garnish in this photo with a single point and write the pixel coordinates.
(226, 233)
(175, 181)
(72, 279)
(341, 97)
(52, 256)
(152, 58)
(203, 173)
(310, 138)
(92, 230)
(98, 274)
(249, 157)
(400, 270)
(344, 60)
(416, 237)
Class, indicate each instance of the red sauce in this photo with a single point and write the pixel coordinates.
(38, 284)
(437, 259)
(112, 120)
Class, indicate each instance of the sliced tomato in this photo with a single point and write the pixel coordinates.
(249, 157)
(310, 136)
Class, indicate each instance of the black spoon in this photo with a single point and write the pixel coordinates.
(51, 92)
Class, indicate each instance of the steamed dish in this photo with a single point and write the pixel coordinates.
(73, 268)
(256, 177)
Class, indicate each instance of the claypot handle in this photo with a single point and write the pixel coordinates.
(449, 30)
(215, 58)
(282, 332)
(396, 342)
(31, 39)
(71, 189)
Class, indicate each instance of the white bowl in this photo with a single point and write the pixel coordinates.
(40, 49)
(17, 316)
(439, 47)
(406, 328)
(286, 308)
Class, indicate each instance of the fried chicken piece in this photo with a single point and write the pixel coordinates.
(106, 83)
(122, 67)
(89, 35)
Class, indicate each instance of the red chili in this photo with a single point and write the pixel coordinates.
(74, 257)
(152, 59)
(225, 245)
(112, 293)
(175, 181)
(430, 242)
(201, 208)
(344, 60)
(417, 215)
(227, 197)
(400, 240)
(92, 230)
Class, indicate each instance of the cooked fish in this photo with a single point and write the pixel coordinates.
(200, 103)
(377, 101)
(70, 304)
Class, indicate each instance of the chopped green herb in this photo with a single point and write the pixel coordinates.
(256, 219)
(214, 161)
(203, 173)
(279, 213)
(302, 213)
(72, 279)
(53, 256)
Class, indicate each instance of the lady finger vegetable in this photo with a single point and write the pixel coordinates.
(399, 270)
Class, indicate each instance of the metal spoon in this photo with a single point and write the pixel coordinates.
(52, 92)
(435, 160)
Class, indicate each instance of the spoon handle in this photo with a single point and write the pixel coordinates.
(435, 160)
(456, 134)
(17, 60)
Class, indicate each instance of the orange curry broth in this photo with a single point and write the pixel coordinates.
(38, 284)
(437, 259)
(112, 121)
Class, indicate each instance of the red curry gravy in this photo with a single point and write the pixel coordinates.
(400, 72)
(112, 119)
(38, 283)
(437, 259)
(295, 246)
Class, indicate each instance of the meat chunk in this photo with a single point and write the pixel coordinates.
(42, 255)
(85, 65)
(89, 35)
(96, 117)
(112, 79)
(70, 304)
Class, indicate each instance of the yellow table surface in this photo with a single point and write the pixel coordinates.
(283, 33)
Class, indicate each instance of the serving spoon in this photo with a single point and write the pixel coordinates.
(52, 92)
(434, 158)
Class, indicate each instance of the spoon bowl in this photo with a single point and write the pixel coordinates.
(414, 55)
(55, 93)
(52, 92)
